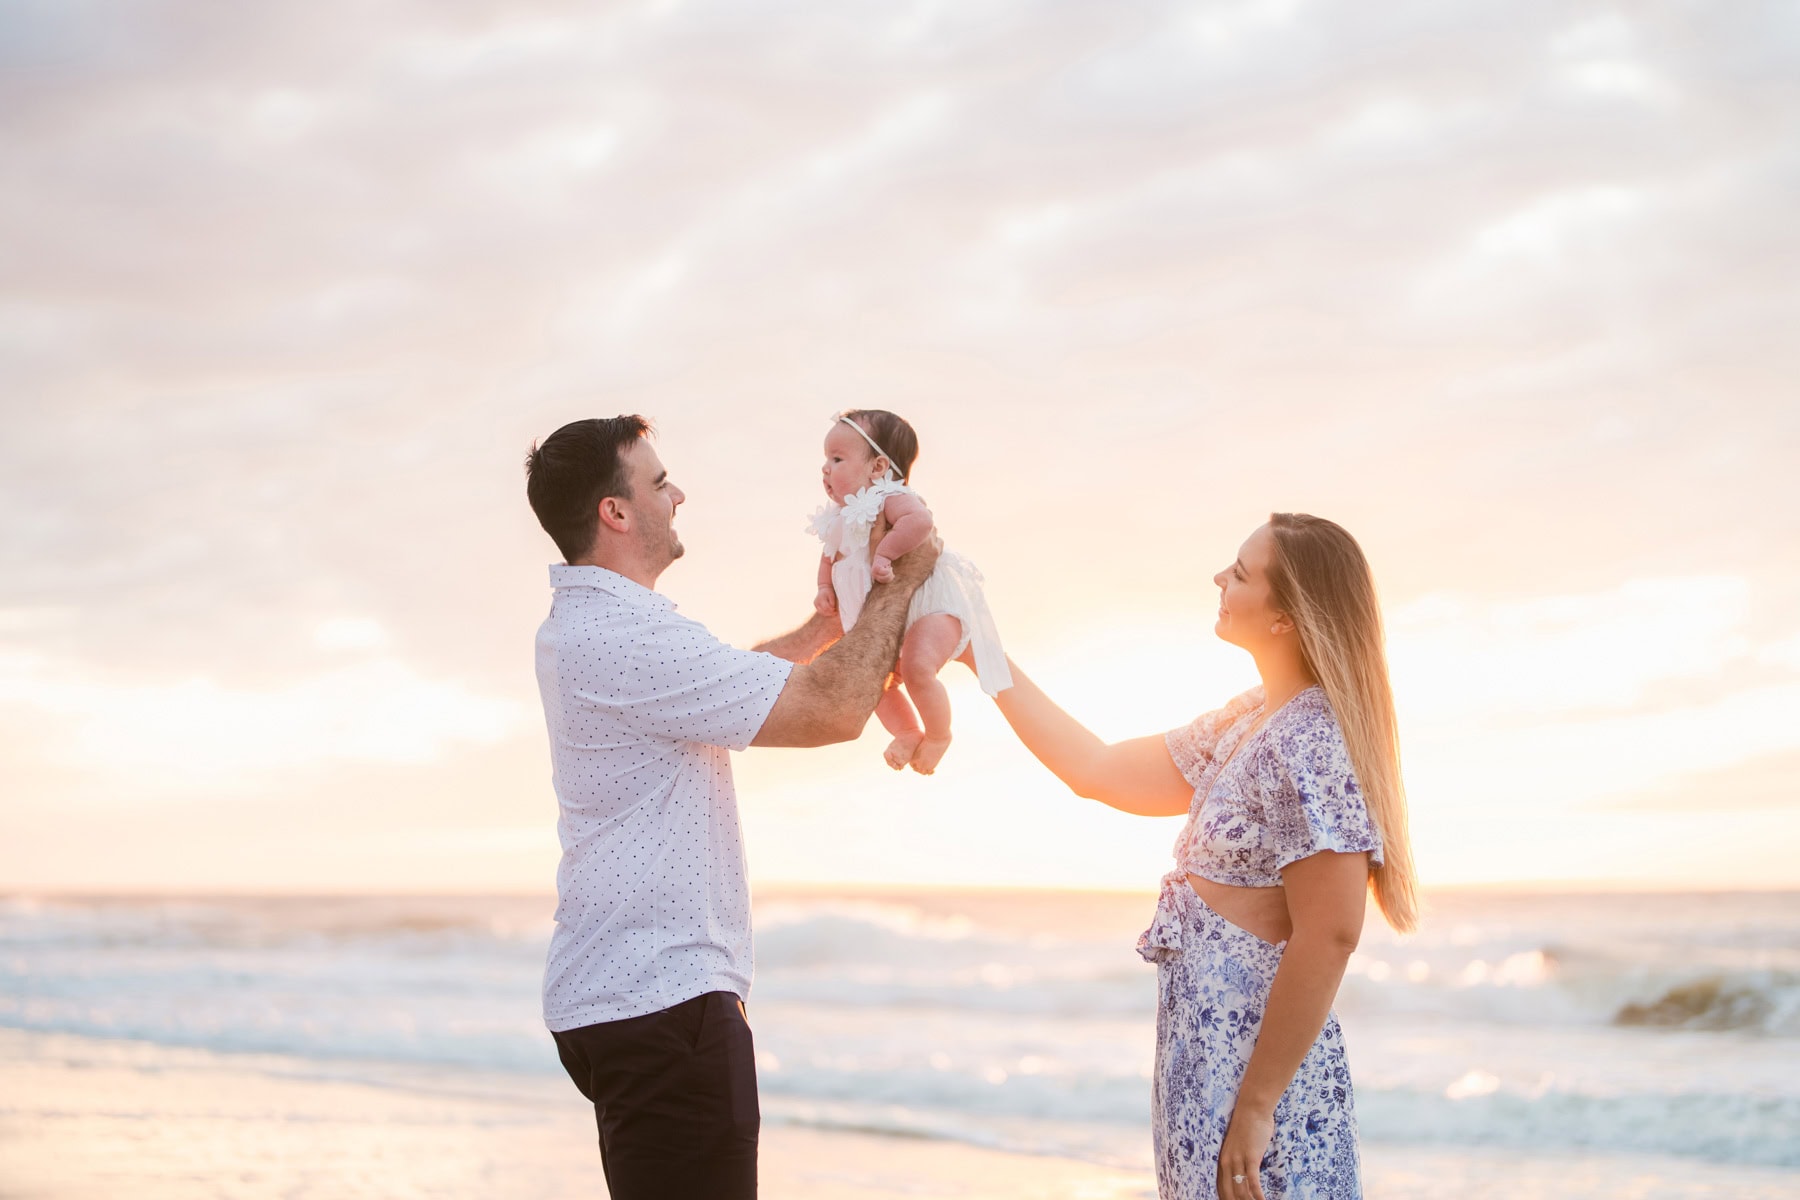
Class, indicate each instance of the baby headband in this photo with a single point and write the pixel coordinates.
(879, 452)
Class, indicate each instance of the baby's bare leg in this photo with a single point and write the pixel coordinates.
(897, 717)
(928, 646)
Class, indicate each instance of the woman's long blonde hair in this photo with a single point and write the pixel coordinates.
(1321, 579)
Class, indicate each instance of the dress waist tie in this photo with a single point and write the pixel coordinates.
(1164, 937)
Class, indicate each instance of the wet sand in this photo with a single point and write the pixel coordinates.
(92, 1119)
(95, 1119)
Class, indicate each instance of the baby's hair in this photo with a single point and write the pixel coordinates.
(895, 437)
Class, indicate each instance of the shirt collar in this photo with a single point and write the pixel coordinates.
(564, 576)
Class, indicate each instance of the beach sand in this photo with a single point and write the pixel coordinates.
(95, 1119)
(87, 1119)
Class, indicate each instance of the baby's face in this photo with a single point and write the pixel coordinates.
(849, 463)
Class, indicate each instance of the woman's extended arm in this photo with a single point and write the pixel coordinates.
(1135, 776)
(1325, 895)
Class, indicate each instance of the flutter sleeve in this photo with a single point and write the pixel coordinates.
(1312, 799)
(1191, 745)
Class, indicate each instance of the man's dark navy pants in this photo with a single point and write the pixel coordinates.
(674, 1095)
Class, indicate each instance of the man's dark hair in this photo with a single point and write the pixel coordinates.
(572, 470)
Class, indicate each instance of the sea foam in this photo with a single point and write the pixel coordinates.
(1022, 1020)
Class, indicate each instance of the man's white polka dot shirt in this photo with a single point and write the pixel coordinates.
(644, 707)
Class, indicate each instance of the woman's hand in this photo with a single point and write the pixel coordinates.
(1325, 895)
(1246, 1141)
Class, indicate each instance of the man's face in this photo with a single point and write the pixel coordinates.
(652, 505)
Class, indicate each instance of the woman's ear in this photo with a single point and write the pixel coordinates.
(1283, 624)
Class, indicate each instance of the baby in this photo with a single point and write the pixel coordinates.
(869, 456)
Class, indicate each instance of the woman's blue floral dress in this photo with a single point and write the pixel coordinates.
(1288, 794)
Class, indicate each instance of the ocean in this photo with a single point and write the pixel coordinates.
(1569, 1030)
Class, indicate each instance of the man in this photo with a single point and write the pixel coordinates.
(650, 962)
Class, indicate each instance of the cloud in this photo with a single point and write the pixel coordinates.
(1599, 55)
(1767, 782)
(1784, 653)
(1552, 656)
(1545, 231)
(1601, 761)
(197, 735)
(350, 633)
(289, 291)
(1610, 698)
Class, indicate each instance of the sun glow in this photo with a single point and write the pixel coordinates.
(268, 579)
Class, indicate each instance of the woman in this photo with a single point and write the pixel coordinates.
(1295, 809)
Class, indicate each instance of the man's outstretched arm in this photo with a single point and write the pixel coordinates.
(806, 643)
(829, 698)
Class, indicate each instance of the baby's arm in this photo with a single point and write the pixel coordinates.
(825, 602)
(911, 522)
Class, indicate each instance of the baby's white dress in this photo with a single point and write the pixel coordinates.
(953, 587)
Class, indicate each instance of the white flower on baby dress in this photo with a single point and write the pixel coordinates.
(844, 528)
(823, 522)
(862, 508)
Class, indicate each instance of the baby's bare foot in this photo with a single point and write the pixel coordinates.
(930, 752)
(900, 750)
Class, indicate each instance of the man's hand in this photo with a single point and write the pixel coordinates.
(829, 699)
(825, 603)
(916, 565)
(881, 570)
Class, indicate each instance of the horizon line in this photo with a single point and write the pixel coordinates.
(847, 887)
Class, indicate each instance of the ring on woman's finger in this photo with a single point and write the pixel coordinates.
(1239, 1178)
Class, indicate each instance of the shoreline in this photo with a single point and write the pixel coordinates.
(87, 1118)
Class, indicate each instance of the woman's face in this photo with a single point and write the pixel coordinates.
(1247, 616)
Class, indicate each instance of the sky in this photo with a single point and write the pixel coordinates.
(286, 293)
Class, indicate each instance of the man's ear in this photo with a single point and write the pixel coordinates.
(614, 515)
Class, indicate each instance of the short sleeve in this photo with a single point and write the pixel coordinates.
(1191, 745)
(679, 682)
(1312, 799)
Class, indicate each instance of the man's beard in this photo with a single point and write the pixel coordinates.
(671, 547)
